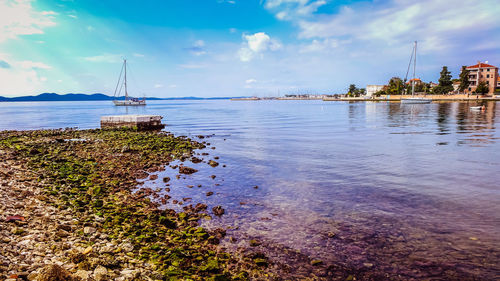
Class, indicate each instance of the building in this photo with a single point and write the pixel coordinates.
(372, 89)
(483, 72)
(417, 81)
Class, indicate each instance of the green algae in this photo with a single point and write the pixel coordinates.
(94, 178)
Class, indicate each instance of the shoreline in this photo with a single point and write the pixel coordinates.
(84, 209)
(68, 210)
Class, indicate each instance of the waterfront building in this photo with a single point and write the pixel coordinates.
(417, 81)
(483, 72)
(372, 89)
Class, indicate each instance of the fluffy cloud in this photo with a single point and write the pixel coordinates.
(20, 77)
(257, 44)
(19, 18)
(437, 24)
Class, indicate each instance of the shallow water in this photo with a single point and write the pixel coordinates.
(399, 188)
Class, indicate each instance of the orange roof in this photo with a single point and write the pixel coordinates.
(481, 64)
(414, 79)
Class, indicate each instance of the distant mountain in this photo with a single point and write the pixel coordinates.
(92, 97)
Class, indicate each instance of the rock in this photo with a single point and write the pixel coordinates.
(166, 179)
(153, 177)
(130, 274)
(316, 262)
(87, 250)
(255, 243)
(54, 272)
(212, 176)
(210, 193)
(213, 163)
(218, 210)
(195, 160)
(260, 262)
(32, 276)
(83, 274)
(89, 230)
(187, 170)
(127, 247)
(100, 273)
(256, 187)
(17, 230)
(368, 265)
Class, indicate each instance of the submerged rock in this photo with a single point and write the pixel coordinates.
(213, 163)
(218, 211)
(187, 170)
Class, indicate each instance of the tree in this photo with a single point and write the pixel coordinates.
(352, 90)
(464, 80)
(396, 86)
(362, 91)
(445, 84)
(482, 88)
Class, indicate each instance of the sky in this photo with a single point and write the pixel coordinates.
(222, 48)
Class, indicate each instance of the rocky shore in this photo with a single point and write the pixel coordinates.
(67, 211)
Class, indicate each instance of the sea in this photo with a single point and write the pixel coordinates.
(408, 190)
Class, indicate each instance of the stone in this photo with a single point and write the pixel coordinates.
(100, 273)
(83, 274)
(89, 230)
(87, 250)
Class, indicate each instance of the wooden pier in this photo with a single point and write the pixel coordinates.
(139, 122)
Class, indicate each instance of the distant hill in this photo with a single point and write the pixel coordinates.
(85, 97)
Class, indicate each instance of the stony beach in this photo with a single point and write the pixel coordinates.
(68, 211)
(74, 206)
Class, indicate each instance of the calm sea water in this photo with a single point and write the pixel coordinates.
(400, 188)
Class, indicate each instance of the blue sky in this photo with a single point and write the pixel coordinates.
(236, 47)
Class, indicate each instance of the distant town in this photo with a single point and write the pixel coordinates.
(480, 80)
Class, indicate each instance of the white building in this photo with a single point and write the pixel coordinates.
(372, 89)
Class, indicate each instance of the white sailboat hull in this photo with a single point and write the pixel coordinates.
(415, 100)
(129, 102)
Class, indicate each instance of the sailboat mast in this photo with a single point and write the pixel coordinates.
(414, 70)
(125, 64)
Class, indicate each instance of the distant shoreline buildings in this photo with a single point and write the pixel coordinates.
(482, 72)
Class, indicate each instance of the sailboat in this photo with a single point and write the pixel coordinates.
(413, 99)
(129, 101)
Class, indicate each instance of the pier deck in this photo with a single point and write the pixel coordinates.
(140, 122)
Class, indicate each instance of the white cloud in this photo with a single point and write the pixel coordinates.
(245, 54)
(138, 55)
(437, 24)
(157, 86)
(19, 18)
(21, 77)
(172, 86)
(250, 81)
(33, 65)
(292, 9)
(256, 44)
(320, 45)
(109, 58)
